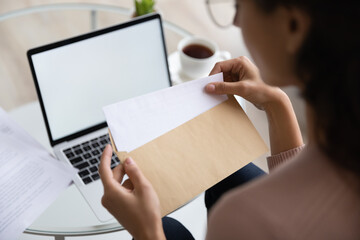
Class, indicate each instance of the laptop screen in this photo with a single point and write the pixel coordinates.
(75, 78)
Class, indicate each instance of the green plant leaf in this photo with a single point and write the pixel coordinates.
(144, 6)
(137, 7)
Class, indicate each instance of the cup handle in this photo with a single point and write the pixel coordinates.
(225, 55)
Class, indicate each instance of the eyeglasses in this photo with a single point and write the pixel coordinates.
(222, 12)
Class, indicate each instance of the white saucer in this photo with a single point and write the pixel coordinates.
(176, 74)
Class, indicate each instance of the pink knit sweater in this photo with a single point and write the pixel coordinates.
(304, 198)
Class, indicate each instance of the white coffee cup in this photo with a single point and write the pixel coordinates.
(199, 67)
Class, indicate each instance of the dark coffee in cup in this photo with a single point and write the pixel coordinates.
(198, 55)
(198, 51)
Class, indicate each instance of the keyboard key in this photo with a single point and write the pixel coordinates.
(95, 176)
(84, 173)
(87, 180)
(76, 160)
(87, 148)
(67, 150)
(94, 145)
(76, 146)
(85, 143)
(104, 136)
(104, 142)
(94, 161)
(69, 155)
(95, 153)
(87, 155)
(93, 169)
(78, 151)
(82, 165)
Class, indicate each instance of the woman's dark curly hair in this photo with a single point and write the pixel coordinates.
(328, 63)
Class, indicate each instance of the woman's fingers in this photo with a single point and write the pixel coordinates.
(104, 168)
(228, 66)
(242, 78)
(109, 177)
(233, 88)
(119, 173)
(128, 184)
(135, 175)
(219, 67)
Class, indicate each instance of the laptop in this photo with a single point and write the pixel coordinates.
(76, 77)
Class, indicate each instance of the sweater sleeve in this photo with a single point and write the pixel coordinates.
(276, 160)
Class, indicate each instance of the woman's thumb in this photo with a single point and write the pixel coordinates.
(222, 88)
(133, 171)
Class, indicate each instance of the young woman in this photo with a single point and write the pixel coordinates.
(313, 45)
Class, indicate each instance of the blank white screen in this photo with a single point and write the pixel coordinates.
(77, 80)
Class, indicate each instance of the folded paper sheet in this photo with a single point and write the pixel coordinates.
(193, 156)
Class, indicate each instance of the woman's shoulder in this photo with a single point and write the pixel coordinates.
(303, 199)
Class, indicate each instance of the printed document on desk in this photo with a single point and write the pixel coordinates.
(31, 179)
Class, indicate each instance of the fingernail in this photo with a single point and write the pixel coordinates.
(210, 88)
(129, 161)
(108, 147)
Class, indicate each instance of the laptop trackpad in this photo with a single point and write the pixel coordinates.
(93, 193)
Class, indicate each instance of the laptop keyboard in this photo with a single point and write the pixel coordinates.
(86, 158)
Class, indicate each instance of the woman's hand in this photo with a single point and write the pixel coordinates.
(242, 78)
(134, 203)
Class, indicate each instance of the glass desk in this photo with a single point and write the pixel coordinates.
(69, 215)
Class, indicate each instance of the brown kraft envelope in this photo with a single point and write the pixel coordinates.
(191, 158)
